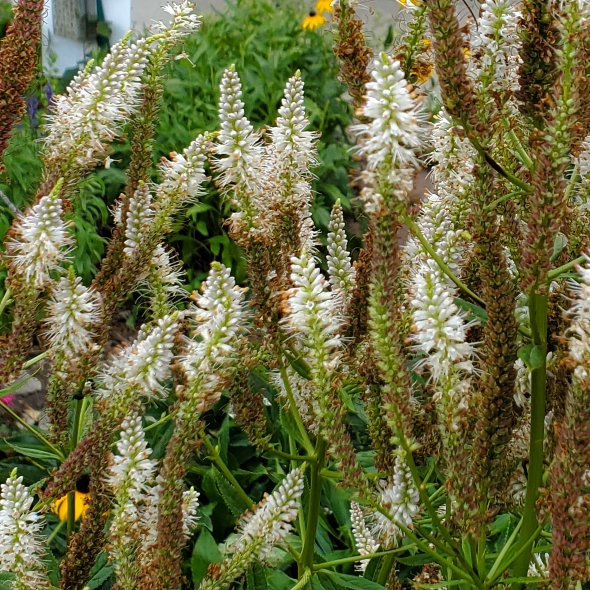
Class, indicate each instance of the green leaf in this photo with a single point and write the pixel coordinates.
(501, 523)
(228, 493)
(558, 246)
(537, 357)
(33, 452)
(278, 580)
(477, 311)
(524, 354)
(6, 580)
(353, 582)
(205, 553)
(101, 576)
(52, 567)
(256, 578)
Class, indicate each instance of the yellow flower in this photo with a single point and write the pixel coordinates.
(313, 21)
(60, 507)
(426, 42)
(323, 6)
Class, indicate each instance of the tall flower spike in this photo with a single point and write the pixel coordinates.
(39, 240)
(363, 539)
(130, 473)
(236, 139)
(340, 269)
(497, 36)
(96, 105)
(209, 365)
(394, 132)
(164, 282)
(131, 470)
(139, 218)
(289, 135)
(315, 322)
(570, 508)
(261, 530)
(21, 551)
(183, 176)
(72, 314)
(220, 316)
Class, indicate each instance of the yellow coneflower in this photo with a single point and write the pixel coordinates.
(323, 6)
(313, 21)
(60, 507)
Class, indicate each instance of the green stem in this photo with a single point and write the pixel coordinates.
(388, 563)
(71, 514)
(441, 263)
(354, 558)
(313, 513)
(159, 422)
(77, 423)
(300, 515)
(34, 360)
(553, 274)
(216, 458)
(5, 300)
(496, 565)
(303, 580)
(538, 319)
(495, 166)
(294, 410)
(526, 160)
(32, 430)
(54, 533)
(525, 549)
(501, 199)
(427, 549)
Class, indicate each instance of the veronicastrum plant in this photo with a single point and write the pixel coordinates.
(460, 336)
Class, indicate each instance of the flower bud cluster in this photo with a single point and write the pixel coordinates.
(72, 314)
(140, 368)
(237, 139)
(289, 135)
(341, 272)
(394, 132)
(139, 218)
(40, 240)
(363, 539)
(400, 501)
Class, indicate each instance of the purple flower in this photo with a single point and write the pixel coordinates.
(32, 110)
(48, 93)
